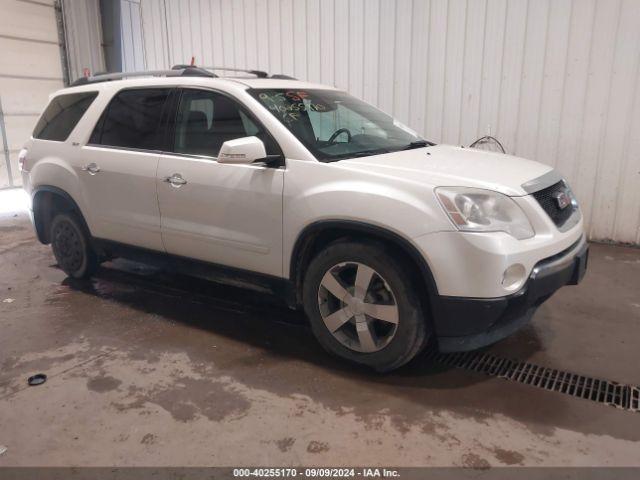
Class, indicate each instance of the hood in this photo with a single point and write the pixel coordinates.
(446, 165)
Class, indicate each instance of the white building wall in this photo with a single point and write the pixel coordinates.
(30, 69)
(31, 65)
(83, 33)
(554, 80)
(131, 28)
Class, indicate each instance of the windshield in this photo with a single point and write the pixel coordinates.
(333, 125)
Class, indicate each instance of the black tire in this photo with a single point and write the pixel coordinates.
(412, 329)
(71, 246)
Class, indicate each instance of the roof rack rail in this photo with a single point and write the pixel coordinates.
(177, 71)
(257, 73)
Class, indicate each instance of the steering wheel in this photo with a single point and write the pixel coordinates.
(339, 132)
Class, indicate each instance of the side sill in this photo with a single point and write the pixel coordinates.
(278, 286)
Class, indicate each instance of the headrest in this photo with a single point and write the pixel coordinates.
(225, 109)
(197, 120)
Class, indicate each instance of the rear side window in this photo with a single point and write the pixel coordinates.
(62, 115)
(132, 120)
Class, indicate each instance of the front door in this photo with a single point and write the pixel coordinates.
(220, 213)
(118, 169)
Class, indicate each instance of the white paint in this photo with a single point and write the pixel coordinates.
(554, 80)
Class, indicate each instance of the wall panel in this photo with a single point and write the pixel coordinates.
(30, 69)
(84, 37)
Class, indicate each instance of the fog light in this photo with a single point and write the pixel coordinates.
(513, 276)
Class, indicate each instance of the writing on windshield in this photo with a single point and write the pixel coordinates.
(333, 125)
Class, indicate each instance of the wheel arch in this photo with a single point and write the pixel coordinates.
(319, 234)
(48, 200)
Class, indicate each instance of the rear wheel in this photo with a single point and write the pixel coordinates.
(363, 307)
(71, 247)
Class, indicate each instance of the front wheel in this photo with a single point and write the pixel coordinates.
(363, 307)
(71, 247)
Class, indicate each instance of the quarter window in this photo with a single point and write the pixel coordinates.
(62, 115)
(132, 120)
(207, 119)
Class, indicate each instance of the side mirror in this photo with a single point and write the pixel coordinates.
(242, 150)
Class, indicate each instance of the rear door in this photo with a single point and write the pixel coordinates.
(220, 213)
(118, 168)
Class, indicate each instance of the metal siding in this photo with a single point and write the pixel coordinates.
(617, 213)
(30, 69)
(554, 80)
(386, 55)
(228, 33)
(132, 33)
(240, 35)
(472, 77)
(341, 44)
(128, 52)
(435, 82)
(299, 45)
(327, 33)
(216, 26)
(595, 125)
(274, 37)
(511, 82)
(314, 45)
(28, 20)
(83, 37)
(401, 65)
(138, 48)
(535, 50)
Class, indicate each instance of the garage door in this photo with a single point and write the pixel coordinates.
(30, 69)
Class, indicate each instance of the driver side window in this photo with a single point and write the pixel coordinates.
(207, 119)
(326, 123)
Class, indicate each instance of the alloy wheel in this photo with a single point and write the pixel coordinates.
(358, 307)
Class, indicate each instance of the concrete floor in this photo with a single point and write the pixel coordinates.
(153, 369)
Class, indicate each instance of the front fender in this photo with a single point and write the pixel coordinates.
(321, 192)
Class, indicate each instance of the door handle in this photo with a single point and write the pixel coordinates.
(92, 168)
(175, 180)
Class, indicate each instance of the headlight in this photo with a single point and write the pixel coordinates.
(477, 210)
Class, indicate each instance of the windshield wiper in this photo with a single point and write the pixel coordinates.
(368, 153)
(418, 144)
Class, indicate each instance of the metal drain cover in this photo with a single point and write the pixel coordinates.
(626, 397)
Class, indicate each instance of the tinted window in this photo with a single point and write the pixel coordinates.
(132, 120)
(62, 115)
(207, 119)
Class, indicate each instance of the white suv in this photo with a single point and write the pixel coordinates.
(386, 240)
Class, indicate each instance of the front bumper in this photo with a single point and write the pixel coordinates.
(464, 324)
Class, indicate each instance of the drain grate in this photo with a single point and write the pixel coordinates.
(626, 397)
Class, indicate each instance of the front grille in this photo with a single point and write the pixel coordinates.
(547, 200)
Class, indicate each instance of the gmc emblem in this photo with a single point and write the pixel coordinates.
(562, 199)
